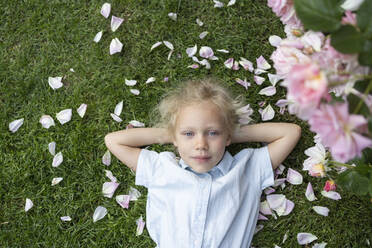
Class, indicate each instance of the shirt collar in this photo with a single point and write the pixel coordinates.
(224, 165)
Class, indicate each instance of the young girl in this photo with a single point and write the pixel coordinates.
(208, 198)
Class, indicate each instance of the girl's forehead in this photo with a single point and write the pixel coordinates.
(200, 113)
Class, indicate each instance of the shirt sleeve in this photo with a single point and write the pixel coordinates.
(265, 168)
(146, 166)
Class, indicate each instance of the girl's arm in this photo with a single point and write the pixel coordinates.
(125, 144)
(282, 138)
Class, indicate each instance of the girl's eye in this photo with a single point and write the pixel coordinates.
(213, 133)
(188, 133)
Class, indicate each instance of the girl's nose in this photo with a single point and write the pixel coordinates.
(201, 143)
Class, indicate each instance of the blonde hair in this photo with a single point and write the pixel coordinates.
(196, 91)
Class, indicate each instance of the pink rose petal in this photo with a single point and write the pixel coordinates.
(243, 83)
(267, 113)
(275, 40)
(46, 121)
(140, 225)
(262, 63)
(115, 46)
(123, 200)
(115, 23)
(294, 177)
(206, 52)
(259, 80)
(289, 207)
(268, 91)
(310, 193)
(203, 34)
(108, 189)
(229, 63)
(321, 210)
(265, 208)
(247, 65)
(106, 9)
(134, 194)
(305, 238)
(331, 195)
(191, 51)
(110, 176)
(262, 217)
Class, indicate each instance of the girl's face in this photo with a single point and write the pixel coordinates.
(201, 136)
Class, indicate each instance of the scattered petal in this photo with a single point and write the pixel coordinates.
(331, 194)
(123, 200)
(118, 108)
(108, 189)
(98, 37)
(217, 4)
(168, 44)
(265, 208)
(156, 45)
(106, 159)
(193, 66)
(134, 92)
(259, 80)
(247, 65)
(99, 213)
(231, 3)
(66, 218)
(277, 202)
(134, 194)
(222, 51)
(279, 181)
(110, 176)
(56, 180)
(130, 83)
(200, 23)
(268, 91)
(206, 63)
(173, 16)
(235, 67)
(258, 228)
(72, 70)
(262, 217)
(268, 113)
(191, 51)
(213, 58)
(14, 125)
(116, 118)
(305, 238)
(57, 160)
(150, 80)
(52, 148)
(136, 123)
(115, 46)
(321, 245)
(82, 109)
(269, 190)
(244, 114)
(274, 78)
(280, 169)
(64, 116)
(262, 63)
(289, 207)
(259, 71)
(285, 237)
(115, 23)
(195, 59)
(229, 63)
(321, 210)
(106, 9)
(55, 82)
(29, 204)
(206, 52)
(170, 54)
(140, 225)
(310, 193)
(294, 177)
(203, 34)
(166, 79)
(243, 83)
(275, 40)
(46, 121)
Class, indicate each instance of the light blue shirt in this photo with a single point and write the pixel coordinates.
(219, 208)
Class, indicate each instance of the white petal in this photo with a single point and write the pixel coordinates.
(200, 23)
(123, 200)
(352, 5)
(277, 202)
(194, 58)
(203, 34)
(106, 159)
(173, 16)
(285, 237)
(243, 83)
(280, 169)
(222, 51)
(150, 80)
(14, 125)
(268, 113)
(46, 121)
(64, 116)
(72, 70)
(247, 65)
(259, 80)
(193, 66)
(213, 58)
(134, 194)
(170, 54)
(110, 176)
(28, 205)
(140, 225)
(130, 83)
(269, 190)
(279, 181)
(115, 46)
(57, 160)
(274, 78)
(229, 63)
(265, 208)
(268, 91)
(235, 67)
(294, 177)
(156, 45)
(206, 63)
(66, 218)
(231, 3)
(259, 71)
(289, 207)
(56, 180)
(108, 189)
(82, 109)
(310, 193)
(305, 238)
(115, 23)
(191, 51)
(116, 118)
(321, 245)
(217, 4)
(134, 92)
(262, 63)
(168, 44)
(136, 123)
(106, 9)
(98, 37)
(118, 108)
(275, 40)
(321, 210)
(55, 82)
(331, 194)
(52, 148)
(99, 213)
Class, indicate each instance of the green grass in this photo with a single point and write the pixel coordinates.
(46, 38)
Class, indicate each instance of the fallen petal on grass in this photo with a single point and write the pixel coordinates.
(108, 189)
(55, 82)
(331, 195)
(305, 238)
(222, 51)
(57, 160)
(156, 45)
(123, 200)
(136, 123)
(173, 16)
(46, 121)
(56, 180)
(246, 64)
(106, 159)
(64, 116)
(150, 80)
(66, 218)
(294, 177)
(29, 204)
(203, 34)
(115, 46)
(229, 63)
(259, 80)
(267, 113)
(134, 194)
(134, 92)
(275, 40)
(15, 125)
(206, 52)
(116, 118)
(277, 202)
(265, 208)
(140, 225)
(130, 83)
(52, 148)
(82, 109)
(218, 4)
(199, 22)
(258, 228)
(262, 63)
(110, 176)
(321, 245)
(105, 10)
(321, 210)
(268, 91)
(310, 193)
(231, 3)
(98, 37)
(118, 108)
(168, 44)
(99, 213)
(115, 23)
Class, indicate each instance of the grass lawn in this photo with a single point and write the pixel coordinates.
(42, 39)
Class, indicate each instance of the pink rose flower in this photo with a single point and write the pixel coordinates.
(285, 10)
(286, 57)
(317, 170)
(330, 186)
(349, 18)
(307, 84)
(337, 130)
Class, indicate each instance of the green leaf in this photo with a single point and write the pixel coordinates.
(351, 180)
(319, 15)
(364, 18)
(354, 101)
(362, 85)
(370, 186)
(365, 56)
(367, 155)
(336, 99)
(347, 39)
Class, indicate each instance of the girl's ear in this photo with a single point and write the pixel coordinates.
(228, 141)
